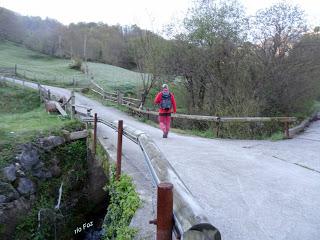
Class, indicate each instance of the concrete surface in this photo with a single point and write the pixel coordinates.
(249, 189)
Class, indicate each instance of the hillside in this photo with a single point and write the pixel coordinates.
(55, 71)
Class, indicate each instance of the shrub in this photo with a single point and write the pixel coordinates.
(76, 63)
(124, 201)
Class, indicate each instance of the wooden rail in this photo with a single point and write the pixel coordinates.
(219, 119)
(8, 71)
(116, 97)
(133, 105)
(297, 129)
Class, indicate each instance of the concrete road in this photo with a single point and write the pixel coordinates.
(249, 189)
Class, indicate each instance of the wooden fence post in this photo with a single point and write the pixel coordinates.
(119, 97)
(49, 95)
(40, 93)
(15, 69)
(73, 107)
(217, 128)
(286, 129)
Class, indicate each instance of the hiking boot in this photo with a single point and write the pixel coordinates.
(165, 135)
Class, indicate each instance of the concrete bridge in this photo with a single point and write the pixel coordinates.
(249, 189)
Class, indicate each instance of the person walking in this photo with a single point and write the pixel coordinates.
(167, 105)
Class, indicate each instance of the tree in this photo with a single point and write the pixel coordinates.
(213, 31)
(278, 27)
(277, 30)
(147, 50)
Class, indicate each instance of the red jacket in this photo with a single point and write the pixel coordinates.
(158, 98)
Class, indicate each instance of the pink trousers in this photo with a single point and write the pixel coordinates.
(164, 122)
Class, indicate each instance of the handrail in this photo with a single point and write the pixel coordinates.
(127, 101)
(189, 217)
(219, 119)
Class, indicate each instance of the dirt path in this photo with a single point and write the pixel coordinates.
(249, 189)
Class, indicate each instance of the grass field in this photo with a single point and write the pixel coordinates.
(55, 71)
(22, 118)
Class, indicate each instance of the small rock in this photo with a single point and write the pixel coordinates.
(51, 142)
(42, 174)
(29, 156)
(66, 134)
(3, 198)
(9, 173)
(56, 171)
(26, 186)
(7, 193)
(55, 160)
(38, 166)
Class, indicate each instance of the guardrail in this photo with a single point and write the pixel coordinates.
(189, 218)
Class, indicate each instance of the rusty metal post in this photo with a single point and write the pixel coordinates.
(119, 149)
(164, 219)
(95, 122)
(286, 129)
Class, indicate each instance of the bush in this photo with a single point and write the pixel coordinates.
(124, 201)
(76, 63)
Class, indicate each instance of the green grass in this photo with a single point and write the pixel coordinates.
(316, 106)
(37, 66)
(22, 119)
(111, 77)
(277, 136)
(14, 99)
(55, 71)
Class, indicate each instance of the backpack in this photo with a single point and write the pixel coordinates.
(166, 103)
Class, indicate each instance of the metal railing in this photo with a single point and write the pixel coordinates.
(187, 213)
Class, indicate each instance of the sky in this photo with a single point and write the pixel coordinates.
(148, 14)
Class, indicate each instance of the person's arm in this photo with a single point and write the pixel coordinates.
(174, 105)
(157, 99)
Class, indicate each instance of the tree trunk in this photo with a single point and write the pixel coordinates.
(201, 94)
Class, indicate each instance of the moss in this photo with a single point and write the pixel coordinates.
(124, 201)
(103, 158)
(74, 174)
(2, 228)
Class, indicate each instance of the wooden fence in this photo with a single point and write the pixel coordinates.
(76, 80)
(116, 97)
(8, 71)
(133, 105)
(64, 106)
